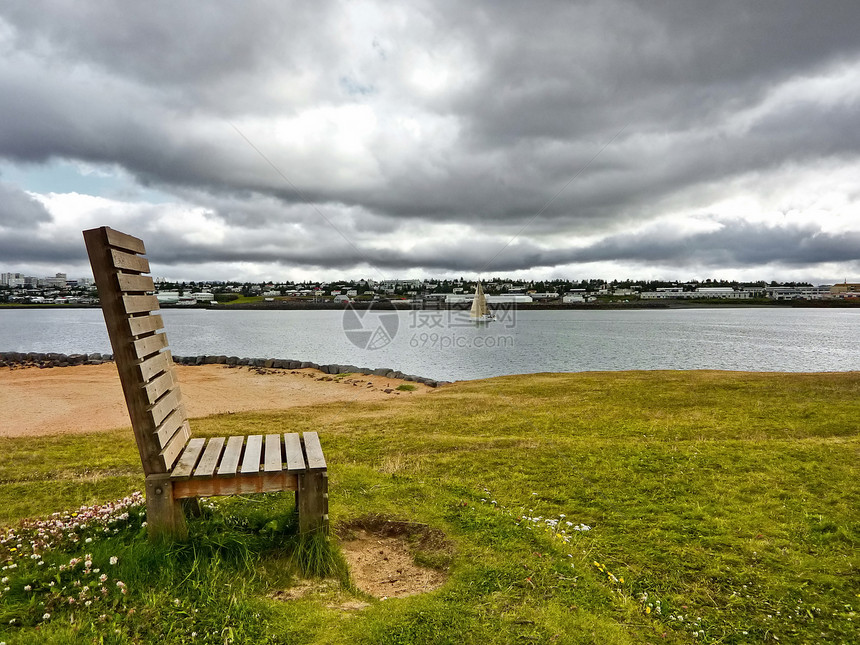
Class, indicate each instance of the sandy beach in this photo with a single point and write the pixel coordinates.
(40, 402)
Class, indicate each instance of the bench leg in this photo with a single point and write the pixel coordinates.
(165, 518)
(312, 497)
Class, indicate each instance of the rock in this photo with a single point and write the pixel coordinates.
(382, 371)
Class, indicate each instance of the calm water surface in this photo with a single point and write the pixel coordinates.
(444, 346)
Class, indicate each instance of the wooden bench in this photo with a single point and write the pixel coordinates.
(178, 467)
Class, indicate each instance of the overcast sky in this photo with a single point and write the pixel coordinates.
(279, 140)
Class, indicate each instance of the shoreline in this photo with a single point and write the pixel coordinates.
(281, 305)
(48, 360)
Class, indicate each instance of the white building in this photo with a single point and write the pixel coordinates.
(573, 298)
(798, 293)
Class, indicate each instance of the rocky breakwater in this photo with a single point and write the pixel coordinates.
(49, 360)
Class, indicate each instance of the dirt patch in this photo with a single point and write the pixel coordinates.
(326, 591)
(382, 557)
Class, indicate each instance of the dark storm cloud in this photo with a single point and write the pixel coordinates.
(18, 210)
(741, 244)
(595, 115)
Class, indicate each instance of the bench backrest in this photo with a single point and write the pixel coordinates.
(140, 350)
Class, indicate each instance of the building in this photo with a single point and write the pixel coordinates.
(58, 281)
(798, 293)
(846, 290)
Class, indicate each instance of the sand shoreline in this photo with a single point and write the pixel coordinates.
(87, 398)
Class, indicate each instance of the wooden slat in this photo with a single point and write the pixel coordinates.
(207, 463)
(274, 458)
(124, 241)
(145, 324)
(149, 345)
(155, 365)
(139, 304)
(135, 282)
(175, 446)
(156, 388)
(313, 451)
(189, 458)
(230, 461)
(166, 404)
(170, 425)
(128, 262)
(251, 459)
(293, 446)
(234, 485)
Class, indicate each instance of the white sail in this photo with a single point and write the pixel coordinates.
(479, 305)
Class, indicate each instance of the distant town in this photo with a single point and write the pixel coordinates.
(19, 289)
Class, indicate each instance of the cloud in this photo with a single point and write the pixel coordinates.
(18, 210)
(428, 136)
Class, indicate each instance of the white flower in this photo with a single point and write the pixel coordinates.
(114, 559)
(27, 588)
(46, 616)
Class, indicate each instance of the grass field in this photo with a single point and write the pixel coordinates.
(677, 507)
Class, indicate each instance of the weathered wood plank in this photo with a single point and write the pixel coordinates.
(124, 241)
(313, 451)
(166, 404)
(293, 446)
(274, 460)
(171, 424)
(128, 262)
(251, 459)
(152, 366)
(164, 515)
(174, 448)
(139, 304)
(313, 502)
(230, 461)
(149, 345)
(156, 388)
(140, 325)
(134, 282)
(234, 485)
(188, 459)
(207, 463)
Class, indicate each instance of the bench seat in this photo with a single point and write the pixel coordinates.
(238, 465)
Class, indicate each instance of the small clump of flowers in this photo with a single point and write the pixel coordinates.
(37, 570)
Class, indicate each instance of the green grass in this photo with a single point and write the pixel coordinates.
(703, 507)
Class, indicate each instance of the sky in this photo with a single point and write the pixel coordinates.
(286, 141)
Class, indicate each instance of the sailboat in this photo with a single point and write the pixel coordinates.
(479, 311)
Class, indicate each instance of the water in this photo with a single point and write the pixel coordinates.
(445, 346)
